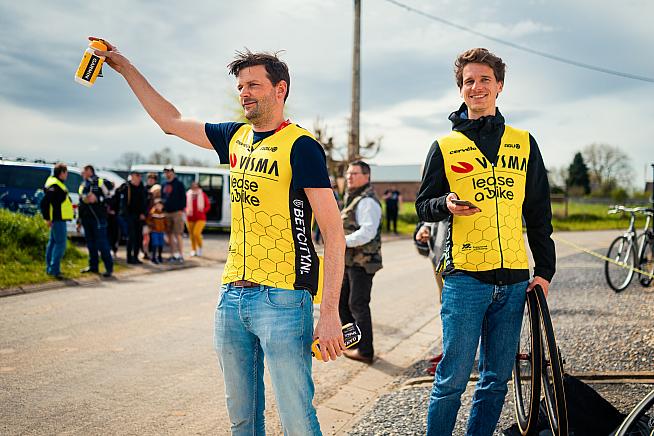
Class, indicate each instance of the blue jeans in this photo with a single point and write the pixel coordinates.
(472, 309)
(56, 248)
(278, 323)
(95, 233)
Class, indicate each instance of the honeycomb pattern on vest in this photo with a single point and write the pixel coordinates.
(484, 233)
(269, 253)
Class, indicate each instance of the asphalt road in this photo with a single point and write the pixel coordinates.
(135, 356)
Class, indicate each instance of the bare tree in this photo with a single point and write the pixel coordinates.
(609, 167)
(163, 157)
(127, 159)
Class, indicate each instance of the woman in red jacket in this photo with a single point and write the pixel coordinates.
(197, 206)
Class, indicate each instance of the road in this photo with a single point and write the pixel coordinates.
(135, 356)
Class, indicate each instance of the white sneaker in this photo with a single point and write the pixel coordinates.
(193, 253)
(199, 252)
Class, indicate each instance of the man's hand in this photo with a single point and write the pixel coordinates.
(113, 56)
(328, 331)
(539, 281)
(90, 198)
(423, 234)
(459, 210)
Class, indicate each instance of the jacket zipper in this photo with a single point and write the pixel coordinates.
(497, 213)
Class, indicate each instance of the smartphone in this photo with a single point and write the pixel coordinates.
(463, 203)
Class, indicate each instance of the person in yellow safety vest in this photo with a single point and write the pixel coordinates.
(56, 208)
(483, 178)
(278, 180)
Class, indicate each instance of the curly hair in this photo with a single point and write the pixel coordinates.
(478, 56)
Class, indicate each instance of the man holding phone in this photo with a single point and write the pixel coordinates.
(483, 178)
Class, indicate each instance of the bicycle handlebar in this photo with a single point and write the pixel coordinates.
(632, 210)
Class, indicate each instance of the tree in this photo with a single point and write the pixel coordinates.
(127, 159)
(578, 175)
(609, 167)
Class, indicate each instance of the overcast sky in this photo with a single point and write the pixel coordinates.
(408, 88)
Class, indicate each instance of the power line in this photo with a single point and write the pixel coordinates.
(521, 47)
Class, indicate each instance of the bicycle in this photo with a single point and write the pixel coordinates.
(630, 251)
(640, 422)
(538, 365)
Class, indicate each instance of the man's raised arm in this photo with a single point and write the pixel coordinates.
(160, 110)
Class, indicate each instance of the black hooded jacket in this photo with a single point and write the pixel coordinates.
(486, 132)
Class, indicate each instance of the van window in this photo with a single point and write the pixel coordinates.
(21, 177)
(73, 181)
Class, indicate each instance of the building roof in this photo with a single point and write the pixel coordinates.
(396, 173)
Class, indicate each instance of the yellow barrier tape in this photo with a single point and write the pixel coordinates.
(599, 256)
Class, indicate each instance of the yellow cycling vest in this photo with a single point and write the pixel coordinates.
(493, 238)
(270, 241)
(67, 205)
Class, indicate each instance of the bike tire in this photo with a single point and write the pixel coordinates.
(640, 420)
(622, 251)
(527, 369)
(551, 370)
(645, 258)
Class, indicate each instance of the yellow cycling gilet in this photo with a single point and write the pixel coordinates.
(270, 241)
(493, 238)
(67, 205)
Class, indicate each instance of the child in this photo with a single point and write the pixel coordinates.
(157, 224)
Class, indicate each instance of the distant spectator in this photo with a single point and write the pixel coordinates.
(197, 206)
(56, 208)
(393, 200)
(93, 217)
(174, 200)
(151, 181)
(133, 209)
(157, 223)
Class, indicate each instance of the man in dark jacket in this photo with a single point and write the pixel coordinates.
(133, 209)
(173, 195)
(56, 209)
(483, 178)
(93, 216)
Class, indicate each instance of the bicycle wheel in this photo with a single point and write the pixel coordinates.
(645, 258)
(640, 422)
(622, 252)
(527, 369)
(552, 370)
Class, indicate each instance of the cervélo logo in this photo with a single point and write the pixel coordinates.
(232, 160)
(462, 167)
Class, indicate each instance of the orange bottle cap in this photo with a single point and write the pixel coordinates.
(98, 45)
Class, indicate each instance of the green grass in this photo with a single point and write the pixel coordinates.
(581, 216)
(22, 251)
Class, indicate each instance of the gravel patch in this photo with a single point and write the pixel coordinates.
(596, 330)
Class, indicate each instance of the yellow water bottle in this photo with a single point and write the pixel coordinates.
(91, 64)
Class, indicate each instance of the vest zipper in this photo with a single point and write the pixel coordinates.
(497, 214)
(250, 151)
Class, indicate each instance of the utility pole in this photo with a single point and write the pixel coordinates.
(353, 143)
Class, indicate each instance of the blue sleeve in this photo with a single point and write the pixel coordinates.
(219, 135)
(309, 164)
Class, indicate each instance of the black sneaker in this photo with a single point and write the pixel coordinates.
(89, 270)
(107, 274)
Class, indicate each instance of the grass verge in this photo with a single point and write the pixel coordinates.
(22, 251)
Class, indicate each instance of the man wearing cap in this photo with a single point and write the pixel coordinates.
(173, 195)
(278, 180)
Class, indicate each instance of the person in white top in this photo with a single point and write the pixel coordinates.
(362, 222)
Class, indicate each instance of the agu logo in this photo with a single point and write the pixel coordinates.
(232, 160)
(462, 167)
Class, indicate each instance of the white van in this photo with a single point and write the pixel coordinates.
(213, 181)
(21, 187)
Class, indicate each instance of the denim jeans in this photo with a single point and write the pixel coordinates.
(259, 321)
(95, 233)
(472, 309)
(56, 248)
